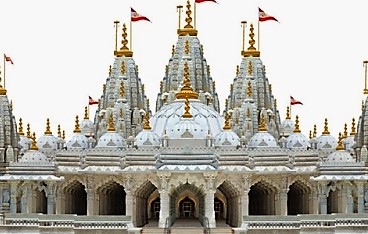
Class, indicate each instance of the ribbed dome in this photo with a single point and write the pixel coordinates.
(226, 138)
(24, 142)
(47, 141)
(34, 157)
(287, 127)
(147, 138)
(262, 139)
(297, 141)
(77, 141)
(340, 156)
(111, 140)
(169, 117)
(187, 128)
(87, 127)
(326, 142)
(349, 142)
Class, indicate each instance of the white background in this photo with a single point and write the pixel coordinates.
(62, 50)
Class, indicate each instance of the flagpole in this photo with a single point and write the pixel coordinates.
(131, 46)
(116, 22)
(4, 71)
(258, 36)
(195, 17)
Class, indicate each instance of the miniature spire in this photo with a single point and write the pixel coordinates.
(248, 113)
(124, 50)
(186, 47)
(146, 125)
(187, 114)
(250, 68)
(339, 143)
(227, 121)
(345, 131)
(76, 128)
(20, 132)
(296, 129)
(11, 105)
(111, 124)
(173, 50)
(262, 124)
(249, 89)
(122, 68)
(137, 68)
(188, 28)
(209, 69)
(110, 71)
(34, 146)
(59, 131)
(251, 51)
(287, 113)
(186, 91)
(29, 131)
(362, 105)
(48, 131)
(353, 128)
(310, 134)
(64, 134)
(122, 89)
(237, 70)
(325, 131)
(314, 131)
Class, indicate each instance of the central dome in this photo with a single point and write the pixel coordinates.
(170, 116)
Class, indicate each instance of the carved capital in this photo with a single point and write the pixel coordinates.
(164, 178)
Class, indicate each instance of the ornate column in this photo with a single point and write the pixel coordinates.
(50, 194)
(284, 189)
(360, 194)
(322, 195)
(164, 198)
(90, 196)
(24, 199)
(313, 202)
(244, 198)
(13, 197)
(129, 197)
(209, 198)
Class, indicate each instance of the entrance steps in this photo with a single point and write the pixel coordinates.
(152, 230)
(186, 230)
(222, 230)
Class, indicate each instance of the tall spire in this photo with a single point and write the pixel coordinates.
(314, 131)
(262, 124)
(20, 132)
(48, 131)
(251, 51)
(339, 143)
(110, 71)
(146, 125)
(296, 129)
(76, 128)
(345, 131)
(29, 131)
(287, 113)
(124, 50)
(34, 146)
(111, 124)
(86, 115)
(237, 70)
(227, 122)
(188, 28)
(325, 131)
(59, 131)
(353, 128)
(186, 91)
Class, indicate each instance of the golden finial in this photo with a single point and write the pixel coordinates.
(76, 129)
(262, 124)
(314, 131)
(310, 134)
(29, 131)
(122, 89)
(64, 134)
(227, 122)
(248, 113)
(188, 28)
(325, 131)
(173, 50)
(339, 143)
(186, 91)
(237, 70)
(11, 105)
(122, 68)
(34, 146)
(296, 129)
(86, 116)
(59, 131)
(187, 114)
(250, 68)
(345, 131)
(110, 71)
(124, 50)
(20, 132)
(146, 125)
(251, 51)
(186, 47)
(249, 89)
(2, 90)
(111, 124)
(353, 128)
(48, 131)
(287, 113)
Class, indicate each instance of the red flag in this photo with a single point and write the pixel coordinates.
(91, 101)
(200, 1)
(134, 16)
(8, 59)
(294, 102)
(262, 16)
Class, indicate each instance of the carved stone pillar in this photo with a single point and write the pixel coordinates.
(322, 195)
(24, 200)
(50, 194)
(60, 197)
(360, 194)
(284, 188)
(209, 199)
(13, 197)
(313, 201)
(244, 199)
(90, 196)
(129, 196)
(164, 198)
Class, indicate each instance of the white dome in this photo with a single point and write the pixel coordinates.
(226, 138)
(87, 127)
(77, 141)
(24, 142)
(349, 142)
(297, 140)
(262, 139)
(170, 115)
(147, 138)
(111, 140)
(326, 141)
(287, 127)
(187, 128)
(340, 156)
(47, 141)
(34, 157)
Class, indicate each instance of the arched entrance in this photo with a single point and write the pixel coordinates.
(155, 209)
(40, 202)
(112, 199)
(333, 201)
(219, 208)
(75, 199)
(186, 208)
(226, 203)
(298, 199)
(147, 205)
(262, 199)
